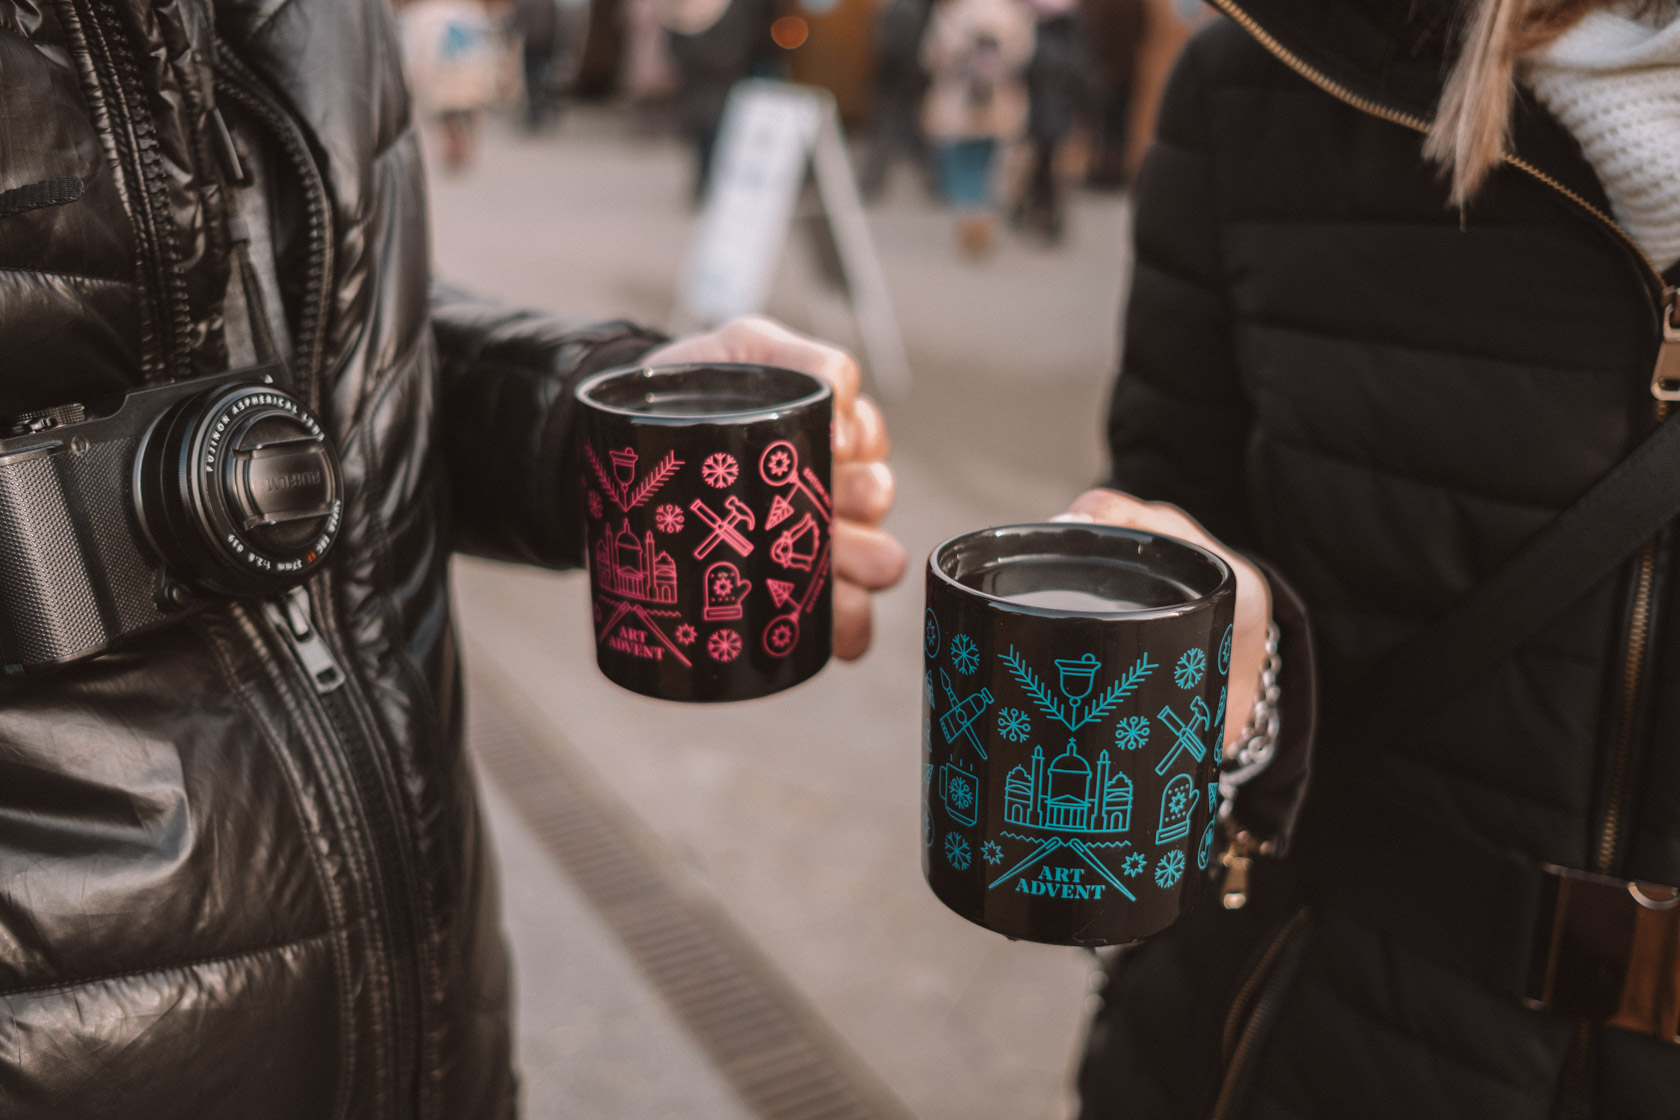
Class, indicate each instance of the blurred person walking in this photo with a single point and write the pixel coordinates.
(714, 44)
(452, 58)
(1114, 31)
(975, 53)
(538, 25)
(1055, 92)
(648, 74)
(900, 83)
(1364, 231)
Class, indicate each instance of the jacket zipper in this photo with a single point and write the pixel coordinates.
(303, 618)
(236, 82)
(294, 618)
(166, 317)
(1252, 1011)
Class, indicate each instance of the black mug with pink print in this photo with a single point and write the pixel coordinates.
(707, 519)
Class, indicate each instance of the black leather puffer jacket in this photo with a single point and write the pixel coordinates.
(222, 894)
(1329, 366)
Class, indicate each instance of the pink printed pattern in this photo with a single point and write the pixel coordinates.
(636, 610)
(724, 645)
(621, 485)
(720, 470)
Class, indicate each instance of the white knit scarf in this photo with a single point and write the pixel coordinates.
(1614, 83)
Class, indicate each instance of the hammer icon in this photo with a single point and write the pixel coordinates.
(724, 528)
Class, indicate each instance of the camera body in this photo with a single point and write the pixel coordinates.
(114, 522)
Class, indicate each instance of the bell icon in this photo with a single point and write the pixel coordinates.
(624, 465)
(1077, 674)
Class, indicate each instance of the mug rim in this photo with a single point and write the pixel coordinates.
(817, 391)
(1226, 585)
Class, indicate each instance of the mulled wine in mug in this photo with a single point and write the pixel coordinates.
(1074, 693)
(708, 525)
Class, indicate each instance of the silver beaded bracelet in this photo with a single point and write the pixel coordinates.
(1252, 750)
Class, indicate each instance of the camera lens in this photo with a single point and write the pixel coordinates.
(239, 490)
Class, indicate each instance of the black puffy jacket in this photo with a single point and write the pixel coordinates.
(222, 894)
(1331, 367)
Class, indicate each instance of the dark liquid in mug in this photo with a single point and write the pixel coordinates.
(698, 404)
(1082, 602)
(1081, 585)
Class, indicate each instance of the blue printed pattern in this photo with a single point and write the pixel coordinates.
(1188, 673)
(1178, 801)
(1076, 678)
(1068, 810)
(959, 789)
(1066, 796)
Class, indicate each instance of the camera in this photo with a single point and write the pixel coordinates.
(118, 520)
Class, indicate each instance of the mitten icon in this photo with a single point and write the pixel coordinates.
(725, 589)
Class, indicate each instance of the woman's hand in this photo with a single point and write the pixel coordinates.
(866, 559)
(1254, 597)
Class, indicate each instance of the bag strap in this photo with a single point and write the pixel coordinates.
(1566, 559)
(1570, 942)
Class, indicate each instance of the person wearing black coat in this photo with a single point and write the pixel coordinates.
(242, 867)
(1379, 400)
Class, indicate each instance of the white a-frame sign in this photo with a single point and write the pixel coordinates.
(773, 133)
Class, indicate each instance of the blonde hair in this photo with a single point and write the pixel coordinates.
(1473, 123)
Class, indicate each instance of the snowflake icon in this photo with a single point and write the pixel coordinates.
(1225, 651)
(1175, 802)
(962, 792)
(991, 851)
(668, 518)
(595, 504)
(1188, 673)
(1170, 870)
(724, 645)
(930, 634)
(1131, 733)
(965, 655)
(686, 634)
(1014, 725)
(720, 470)
(1134, 864)
(959, 853)
(779, 463)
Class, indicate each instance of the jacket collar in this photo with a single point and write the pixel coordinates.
(1389, 58)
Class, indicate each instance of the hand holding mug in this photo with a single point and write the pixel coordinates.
(866, 559)
(1254, 596)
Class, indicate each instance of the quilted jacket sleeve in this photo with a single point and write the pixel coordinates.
(1178, 420)
(508, 422)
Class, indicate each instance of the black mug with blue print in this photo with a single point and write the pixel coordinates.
(1073, 710)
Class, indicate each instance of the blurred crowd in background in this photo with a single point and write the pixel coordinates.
(998, 106)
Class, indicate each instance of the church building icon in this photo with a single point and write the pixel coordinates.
(1066, 796)
(634, 568)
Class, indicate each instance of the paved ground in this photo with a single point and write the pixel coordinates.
(798, 814)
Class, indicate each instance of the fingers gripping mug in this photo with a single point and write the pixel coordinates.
(1073, 708)
(708, 523)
